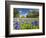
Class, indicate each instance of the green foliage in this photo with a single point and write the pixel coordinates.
(16, 13)
(33, 14)
(22, 17)
(35, 27)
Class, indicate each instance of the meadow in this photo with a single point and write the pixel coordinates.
(26, 23)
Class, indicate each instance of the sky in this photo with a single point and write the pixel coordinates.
(23, 11)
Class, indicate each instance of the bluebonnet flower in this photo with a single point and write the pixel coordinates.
(35, 23)
(17, 25)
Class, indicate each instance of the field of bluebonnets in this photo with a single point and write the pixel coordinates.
(26, 18)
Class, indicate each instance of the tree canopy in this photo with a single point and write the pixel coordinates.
(16, 13)
(33, 14)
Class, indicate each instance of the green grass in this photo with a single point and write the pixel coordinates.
(29, 25)
(25, 26)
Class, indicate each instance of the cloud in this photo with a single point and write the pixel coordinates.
(20, 11)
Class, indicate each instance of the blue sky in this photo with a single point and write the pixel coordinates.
(23, 11)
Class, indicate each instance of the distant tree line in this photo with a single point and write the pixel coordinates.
(33, 14)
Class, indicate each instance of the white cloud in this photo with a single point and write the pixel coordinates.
(20, 11)
(30, 10)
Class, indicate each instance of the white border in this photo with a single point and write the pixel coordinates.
(25, 31)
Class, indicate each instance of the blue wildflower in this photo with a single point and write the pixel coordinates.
(35, 23)
(17, 25)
